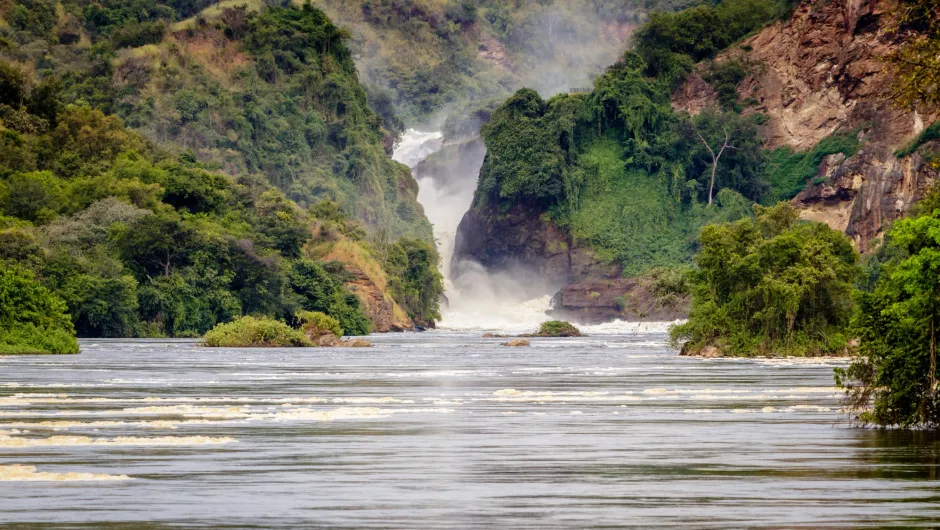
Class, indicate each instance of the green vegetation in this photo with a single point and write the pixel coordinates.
(254, 332)
(929, 134)
(32, 319)
(557, 328)
(894, 380)
(916, 62)
(163, 179)
(671, 43)
(415, 280)
(619, 169)
(316, 324)
(771, 286)
(788, 171)
(270, 92)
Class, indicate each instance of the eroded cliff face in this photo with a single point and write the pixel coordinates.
(821, 72)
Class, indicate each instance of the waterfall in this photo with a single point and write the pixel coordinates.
(482, 300)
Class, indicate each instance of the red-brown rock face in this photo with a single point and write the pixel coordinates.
(820, 72)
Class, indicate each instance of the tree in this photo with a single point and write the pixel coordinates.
(725, 147)
(726, 143)
(771, 285)
(154, 245)
(894, 381)
(32, 318)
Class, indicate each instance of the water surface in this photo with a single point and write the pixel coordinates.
(445, 430)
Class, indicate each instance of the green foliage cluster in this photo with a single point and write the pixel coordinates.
(725, 76)
(671, 43)
(929, 134)
(32, 319)
(619, 168)
(253, 332)
(787, 171)
(893, 382)
(415, 279)
(316, 324)
(771, 286)
(557, 328)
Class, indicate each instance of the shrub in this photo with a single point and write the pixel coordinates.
(316, 324)
(32, 318)
(787, 171)
(558, 328)
(252, 332)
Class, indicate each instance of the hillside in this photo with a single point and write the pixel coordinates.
(428, 57)
(819, 75)
(272, 92)
(617, 182)
(163, 169)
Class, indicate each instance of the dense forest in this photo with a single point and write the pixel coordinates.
(160, 182)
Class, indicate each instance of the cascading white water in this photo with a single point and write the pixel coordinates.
(489, 304)
(482, 300)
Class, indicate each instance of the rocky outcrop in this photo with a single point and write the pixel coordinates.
(525, 241)
(368, 282)
(629, 299)
(821, 72)
(861, 194)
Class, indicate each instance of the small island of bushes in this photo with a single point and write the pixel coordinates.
(316, 329)
(557, 328)
(770, 285)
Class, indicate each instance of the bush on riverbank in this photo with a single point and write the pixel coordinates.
(252, 332)
(770, 286)
(894, 380)
(316, 324)
(558, 328)
(33, 320)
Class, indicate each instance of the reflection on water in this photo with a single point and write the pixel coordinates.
(445, 430)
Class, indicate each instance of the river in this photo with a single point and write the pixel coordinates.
(445, 429)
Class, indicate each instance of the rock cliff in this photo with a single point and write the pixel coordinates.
(631, 299)
(820, 72)
(525, 242)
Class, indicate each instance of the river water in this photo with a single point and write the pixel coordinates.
(444, 430)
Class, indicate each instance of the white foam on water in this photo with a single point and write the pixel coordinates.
(23, 473)
(371, 401)
(68, 441)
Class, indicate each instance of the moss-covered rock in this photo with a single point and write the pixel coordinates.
(558, 328)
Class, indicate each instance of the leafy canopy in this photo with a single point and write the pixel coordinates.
(771, 286)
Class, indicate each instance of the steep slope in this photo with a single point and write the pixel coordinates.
(584, 188)
(822, 72)
(249, 89)
(168, 221)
